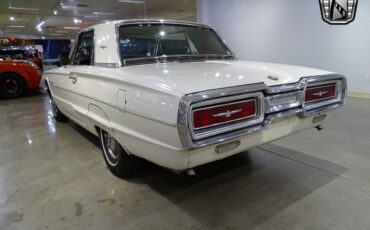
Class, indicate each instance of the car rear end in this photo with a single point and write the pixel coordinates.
(219, 123)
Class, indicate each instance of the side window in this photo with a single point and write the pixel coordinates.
(84, 54)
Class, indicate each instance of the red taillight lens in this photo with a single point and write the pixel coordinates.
(318, 93)
(220, 114)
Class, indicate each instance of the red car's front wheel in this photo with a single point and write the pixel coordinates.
(12, 85)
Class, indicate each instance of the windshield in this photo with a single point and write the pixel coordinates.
(161, 40)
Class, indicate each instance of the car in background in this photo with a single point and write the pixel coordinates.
(28, 53)
(18, 77)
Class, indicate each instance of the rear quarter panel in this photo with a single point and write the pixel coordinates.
(145, 118)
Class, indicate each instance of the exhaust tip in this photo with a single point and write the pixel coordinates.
(190, 172)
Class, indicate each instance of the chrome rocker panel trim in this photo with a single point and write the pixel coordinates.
(302, 110)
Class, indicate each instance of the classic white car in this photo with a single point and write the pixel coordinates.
(174, 94)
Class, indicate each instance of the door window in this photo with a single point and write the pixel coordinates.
(84, 54)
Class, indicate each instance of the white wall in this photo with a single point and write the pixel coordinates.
(293, 32)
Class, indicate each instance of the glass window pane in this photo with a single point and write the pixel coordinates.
(84, 50)
(152, 40)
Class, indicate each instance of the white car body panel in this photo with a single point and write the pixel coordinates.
(106, 44)
(200, 76)
(139, 104)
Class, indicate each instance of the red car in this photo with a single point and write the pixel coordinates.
(18, 78)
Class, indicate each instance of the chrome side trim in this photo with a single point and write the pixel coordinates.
(301, 110)
(107, 65)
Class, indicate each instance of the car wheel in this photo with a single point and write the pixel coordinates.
(118, 160)
(58, 115)
(12, 85)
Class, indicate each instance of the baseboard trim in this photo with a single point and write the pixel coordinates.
(359, 95)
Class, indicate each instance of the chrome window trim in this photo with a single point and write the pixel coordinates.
(301, 110)
(73, 50)
(107, 65)
(225, 122)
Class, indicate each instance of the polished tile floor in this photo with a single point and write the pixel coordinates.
(52, 176)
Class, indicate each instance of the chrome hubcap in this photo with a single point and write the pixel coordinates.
(111, 148)
(111, 144)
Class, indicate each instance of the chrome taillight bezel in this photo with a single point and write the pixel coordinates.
(324, 102)
(188, 138)
(223, 105)
(213, 130)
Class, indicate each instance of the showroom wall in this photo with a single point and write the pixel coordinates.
(293, 32)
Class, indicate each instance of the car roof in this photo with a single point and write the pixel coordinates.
(145, 21)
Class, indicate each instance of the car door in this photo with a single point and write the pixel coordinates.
(63, 90)
(83, 60)
(64, 83)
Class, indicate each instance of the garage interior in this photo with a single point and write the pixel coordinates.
(53, 175)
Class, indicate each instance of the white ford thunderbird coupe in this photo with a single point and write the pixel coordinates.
(174, 94)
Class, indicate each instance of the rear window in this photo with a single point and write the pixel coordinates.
(153, 40)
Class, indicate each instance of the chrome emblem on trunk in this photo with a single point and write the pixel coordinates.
(321, 93)
(338, 12)
(273, 78)
(227, 114)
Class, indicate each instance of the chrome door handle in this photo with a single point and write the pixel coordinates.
(73, 77)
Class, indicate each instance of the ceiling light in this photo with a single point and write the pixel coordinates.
(132, 1)
(38, 27)
(71, 28)
(55, 12)
(162, 33)
(43, 37)
(17, 26)
(102, 13)
(11, 18)
(76, 21)
(21, 8)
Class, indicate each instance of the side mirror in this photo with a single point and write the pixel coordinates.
(64, 59)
